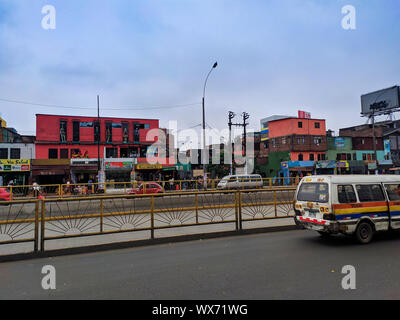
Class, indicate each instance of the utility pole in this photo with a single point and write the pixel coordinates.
(231, 115)
(98, 135)
(245, 116)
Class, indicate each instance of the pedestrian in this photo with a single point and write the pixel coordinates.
(36, 189)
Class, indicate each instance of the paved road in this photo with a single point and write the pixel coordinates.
(282, 265)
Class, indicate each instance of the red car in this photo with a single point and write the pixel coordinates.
(4, 195)
(147, 188)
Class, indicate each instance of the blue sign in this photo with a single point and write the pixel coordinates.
(339, 142)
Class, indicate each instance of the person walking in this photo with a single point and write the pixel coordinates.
(36, 189)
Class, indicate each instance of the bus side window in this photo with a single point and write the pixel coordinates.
(393, 191)
(346, 194)
(370, 192)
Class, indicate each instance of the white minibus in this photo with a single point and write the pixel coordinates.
(357, 205)
(239, 181)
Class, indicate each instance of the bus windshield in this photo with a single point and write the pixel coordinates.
(314, 192)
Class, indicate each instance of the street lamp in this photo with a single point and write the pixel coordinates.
(204, 129)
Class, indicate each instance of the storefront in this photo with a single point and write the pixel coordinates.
(118, 170)
(16, 170)
(325, 167)
(83, 170)
(50, 171)
(147, 172)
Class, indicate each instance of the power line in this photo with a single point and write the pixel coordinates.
(126, 108)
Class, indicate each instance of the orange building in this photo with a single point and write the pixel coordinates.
(304, 139)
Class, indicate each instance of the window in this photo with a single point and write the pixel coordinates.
(15, 153)
(75, 131)
(311, 157)
(136, 128)
(346, 194)
(300, 124)
(108, 132)
(354, 156)
(125, 132)
(364, 156)
(111, 152)
(314, 192)
(317, 140)
(316, 125)
(3, 153)
(319, 157)
(300, 157)
(96, 131)
(348, 156)
(301, 140)
(393, 191)
(370, 192)
(63, 131)
(63, 153)
(146, 126)
(53, 154)
(323, 156)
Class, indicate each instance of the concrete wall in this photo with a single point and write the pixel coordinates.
(27, 149)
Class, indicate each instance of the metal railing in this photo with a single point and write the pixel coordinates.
(62, 218)
(115, 188)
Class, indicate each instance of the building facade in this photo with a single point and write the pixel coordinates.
(117, 145)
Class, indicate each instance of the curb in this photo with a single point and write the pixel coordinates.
(142, 243)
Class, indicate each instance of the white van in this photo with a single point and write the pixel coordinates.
(239, 181)
(356, 205)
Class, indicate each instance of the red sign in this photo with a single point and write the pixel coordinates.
(304, 114)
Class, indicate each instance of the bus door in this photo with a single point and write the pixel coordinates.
(393, 193)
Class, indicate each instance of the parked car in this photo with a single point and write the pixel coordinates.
(4, 195)
(147, 188)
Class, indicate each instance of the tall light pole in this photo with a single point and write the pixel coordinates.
(204, 129)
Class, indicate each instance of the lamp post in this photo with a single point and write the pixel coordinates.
(204, 128)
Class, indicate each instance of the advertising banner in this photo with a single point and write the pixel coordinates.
(339, 142)
(15, 165)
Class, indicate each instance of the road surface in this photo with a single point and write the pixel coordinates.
(283, 265)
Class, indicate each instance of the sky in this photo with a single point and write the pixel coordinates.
(150, 58)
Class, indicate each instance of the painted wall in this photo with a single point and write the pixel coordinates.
(286, 127)
(380, 154)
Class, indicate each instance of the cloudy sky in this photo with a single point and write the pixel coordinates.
(151, 57)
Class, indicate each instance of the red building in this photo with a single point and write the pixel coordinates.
(121, 142)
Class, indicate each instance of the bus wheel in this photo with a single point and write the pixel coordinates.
(364, 232)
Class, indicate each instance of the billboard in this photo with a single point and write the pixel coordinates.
(380, 102)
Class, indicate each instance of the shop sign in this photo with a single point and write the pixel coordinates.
(110, 165)
(339, 142)
(183, 166)
(386, 144)
(372, 166)
(14, 165)
(342, 164)
(147, 166)
(325, 164)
